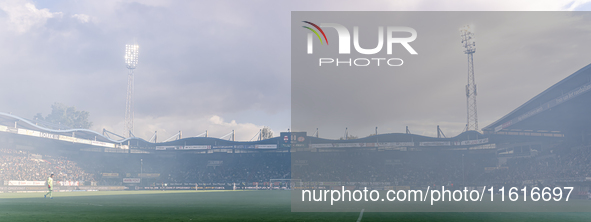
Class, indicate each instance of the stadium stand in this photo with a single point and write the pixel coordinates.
(21, 165)
(398, 168)
(543, 141)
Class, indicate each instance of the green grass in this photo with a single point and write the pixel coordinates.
(212, 206)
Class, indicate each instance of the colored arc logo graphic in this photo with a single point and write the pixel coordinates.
(319, 29)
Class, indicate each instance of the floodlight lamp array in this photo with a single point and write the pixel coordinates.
(468, 40)
(131, 56)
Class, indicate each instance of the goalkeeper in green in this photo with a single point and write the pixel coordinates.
(50, 187)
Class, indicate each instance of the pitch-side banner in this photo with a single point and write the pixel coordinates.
(69, 183)
(132, 180)
(197, 147)
(419, 88)
(25, 183)
(265, 146)
(112, 175)
(29, 132)
(336, 145)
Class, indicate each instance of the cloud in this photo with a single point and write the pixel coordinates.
(82, 18)
(22, 16)
(577, 3)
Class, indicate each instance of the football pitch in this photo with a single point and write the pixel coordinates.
(212, 206)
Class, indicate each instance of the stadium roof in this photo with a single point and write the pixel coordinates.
(10, 120)
(37, 130)
(564, 107)
(402, 137)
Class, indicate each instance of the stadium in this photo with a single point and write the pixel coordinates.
(544, 142)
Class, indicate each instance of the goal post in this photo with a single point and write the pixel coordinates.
(285, 184)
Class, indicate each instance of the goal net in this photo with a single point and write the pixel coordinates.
(285, 184)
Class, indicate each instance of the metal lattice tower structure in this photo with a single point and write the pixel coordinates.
(469, 44)
(131, 59)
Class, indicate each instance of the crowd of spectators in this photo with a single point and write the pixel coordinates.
(445, 167)
(233, 168)
(184, 167)
(399, 168)
(19, 165)
(560, 163)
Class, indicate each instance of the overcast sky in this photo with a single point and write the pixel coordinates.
(203, 65)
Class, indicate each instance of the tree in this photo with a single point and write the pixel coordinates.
(66, 116)
(266, 133)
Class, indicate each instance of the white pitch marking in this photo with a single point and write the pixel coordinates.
(360, 215)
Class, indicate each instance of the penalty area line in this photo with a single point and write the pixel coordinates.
(360, 215)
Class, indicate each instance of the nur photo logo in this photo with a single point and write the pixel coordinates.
(344, 44)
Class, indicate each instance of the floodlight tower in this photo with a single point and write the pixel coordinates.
(469, 44)
(131, 59)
